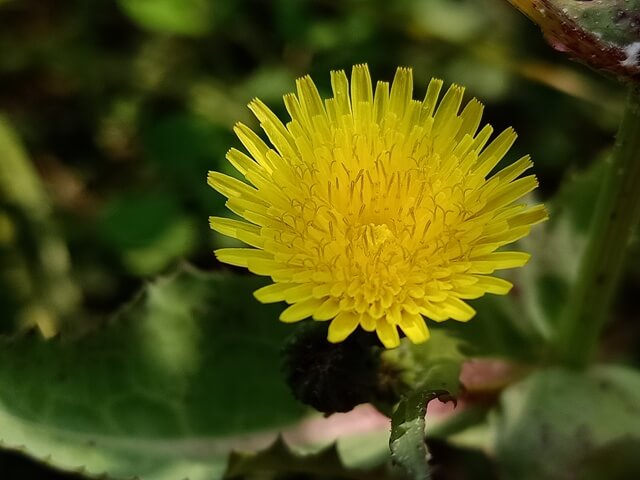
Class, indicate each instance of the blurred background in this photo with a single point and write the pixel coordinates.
(113, 111)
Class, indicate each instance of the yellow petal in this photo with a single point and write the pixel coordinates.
(329, 309)
(301, 310)
(291, 292)
(342, 326)
(241, 257)
(387, 333)
(498, 261)
(414, 327)
(457, 309)
(494, 285)
(367, 322)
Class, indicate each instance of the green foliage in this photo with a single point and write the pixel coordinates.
(185, 147)
(158, 392)
(35, 284)
(185, 17)
(612, 21)
(18, 180)
(433, 370)
(556, 250)
(555, 420)
(148, 230)
(617, 460)
(123, 107)
(280, 458)
(517, 326)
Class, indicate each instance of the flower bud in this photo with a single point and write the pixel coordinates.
(330, 377)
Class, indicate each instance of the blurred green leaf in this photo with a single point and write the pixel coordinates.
(548, 423)
(163, 391)
(556, 248)
(499, 329)
(36, 288)
(185, 147)
(184, 17)
(517, 326)
(433, 370)
(269, 84)
(455, 21)
(148, 230)
(19, 182)
(279, 458)
(617, 460)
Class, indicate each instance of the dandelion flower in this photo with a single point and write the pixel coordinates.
(374, 210)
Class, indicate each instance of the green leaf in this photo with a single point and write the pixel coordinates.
(604, 35)
(148, 230)
(329, 461)
(613, 22)
(185, 17)
(453, 21)
(549, 423)
(36, 288)
(518, 325)
(163, 391)
(19, 181)
(433, 371)
(617, 460)
(543, 285)
(499, 329)
(185, 147)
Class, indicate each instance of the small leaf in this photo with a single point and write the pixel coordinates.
(432, 371)
(551, 422)
(161, 392)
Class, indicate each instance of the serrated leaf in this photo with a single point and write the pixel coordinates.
(281, 458)
(161, 392)
(549, 423)
(433, 371)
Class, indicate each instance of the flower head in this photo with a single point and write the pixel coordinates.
(373, 209)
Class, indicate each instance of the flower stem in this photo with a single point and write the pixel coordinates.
(616, 213)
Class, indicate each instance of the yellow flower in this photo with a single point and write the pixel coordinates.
(372, 209)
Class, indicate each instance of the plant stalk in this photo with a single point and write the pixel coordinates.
(616, 214)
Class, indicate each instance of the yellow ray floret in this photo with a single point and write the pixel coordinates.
(374, 210)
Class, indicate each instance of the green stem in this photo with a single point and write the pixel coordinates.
(615, 215)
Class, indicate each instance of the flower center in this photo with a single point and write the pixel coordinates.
(381, 234)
